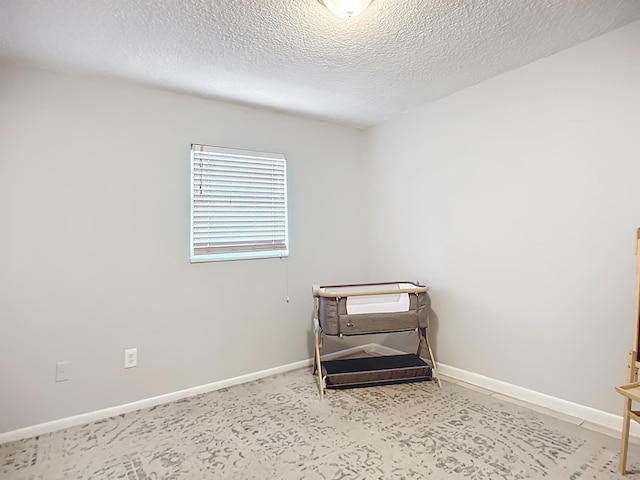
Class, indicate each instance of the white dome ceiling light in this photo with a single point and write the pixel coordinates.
(346, 8)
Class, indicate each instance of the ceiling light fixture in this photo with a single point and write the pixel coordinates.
(346, 8)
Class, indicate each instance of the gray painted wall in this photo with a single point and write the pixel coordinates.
(517, 201)
(94, 244)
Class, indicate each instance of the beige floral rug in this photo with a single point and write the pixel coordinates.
(277, 428)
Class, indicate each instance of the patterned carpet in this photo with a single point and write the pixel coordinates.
(277, 428)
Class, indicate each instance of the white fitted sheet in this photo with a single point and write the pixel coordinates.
(380, 303)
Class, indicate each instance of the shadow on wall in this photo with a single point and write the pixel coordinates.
(403, 341)
(408, 341)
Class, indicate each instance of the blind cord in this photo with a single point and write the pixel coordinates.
(286, 276)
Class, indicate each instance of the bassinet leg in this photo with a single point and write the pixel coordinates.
(317, 332)
(424, 338)
(317, 364)
(315, 356)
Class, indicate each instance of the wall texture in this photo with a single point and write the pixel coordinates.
(517, 201)
(94, 244)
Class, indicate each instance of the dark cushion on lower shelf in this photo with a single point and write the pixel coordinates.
(371, 371)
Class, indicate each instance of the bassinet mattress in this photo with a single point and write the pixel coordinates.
(372, 308)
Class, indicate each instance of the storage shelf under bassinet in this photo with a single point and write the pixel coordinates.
(379, 308)
(373, 371)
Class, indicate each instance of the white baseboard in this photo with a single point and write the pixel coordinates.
(598, 417)
(582, 412)
(382, 350)
(605, 419)
(89, 417)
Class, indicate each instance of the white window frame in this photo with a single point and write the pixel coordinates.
(232, 164)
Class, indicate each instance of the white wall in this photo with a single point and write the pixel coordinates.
(94, 243)
(517, 201)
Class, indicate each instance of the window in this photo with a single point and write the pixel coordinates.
(238, 204)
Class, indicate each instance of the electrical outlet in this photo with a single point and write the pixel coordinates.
(130, 357)
(62, 371)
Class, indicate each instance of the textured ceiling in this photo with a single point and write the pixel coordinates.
(295, 56)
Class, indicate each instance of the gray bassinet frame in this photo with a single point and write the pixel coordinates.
(331, 318)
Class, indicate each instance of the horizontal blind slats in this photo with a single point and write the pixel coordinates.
(238, 202)
(208, 168)
(240, 158)
(241, 190)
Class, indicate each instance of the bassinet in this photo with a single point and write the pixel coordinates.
(345, 310)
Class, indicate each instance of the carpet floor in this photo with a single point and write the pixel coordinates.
(277, 428)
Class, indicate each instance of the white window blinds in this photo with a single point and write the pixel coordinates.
(238, 204)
